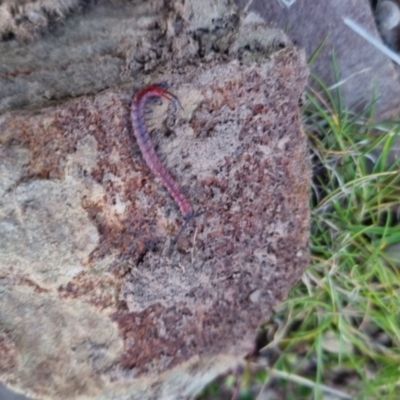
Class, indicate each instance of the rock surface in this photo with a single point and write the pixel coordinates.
(364, 69)
(97, 300)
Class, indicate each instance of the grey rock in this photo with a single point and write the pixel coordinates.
(97, 300)
(387, 14)
(364, 69)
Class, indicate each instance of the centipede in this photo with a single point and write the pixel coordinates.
(138, 107)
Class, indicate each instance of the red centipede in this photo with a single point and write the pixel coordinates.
(139, 102)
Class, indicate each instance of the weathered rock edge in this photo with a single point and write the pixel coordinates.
(96, 301)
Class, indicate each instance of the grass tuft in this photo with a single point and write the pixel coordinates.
(340, 327)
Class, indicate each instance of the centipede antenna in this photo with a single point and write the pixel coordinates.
(149, 112)
(182, 229)
(176, 101)
(155, 100)
(187, 220)
(153, 119)
(163, 84)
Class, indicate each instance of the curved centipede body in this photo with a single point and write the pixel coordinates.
(139, 102)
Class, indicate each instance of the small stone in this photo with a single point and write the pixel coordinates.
(387, 15)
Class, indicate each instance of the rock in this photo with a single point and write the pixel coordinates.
(366, 72)
(85, 55)
(26, 19)
(97, 299)
(387, 15)
(6, 394)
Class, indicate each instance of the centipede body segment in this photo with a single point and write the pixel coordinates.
(139, 101)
